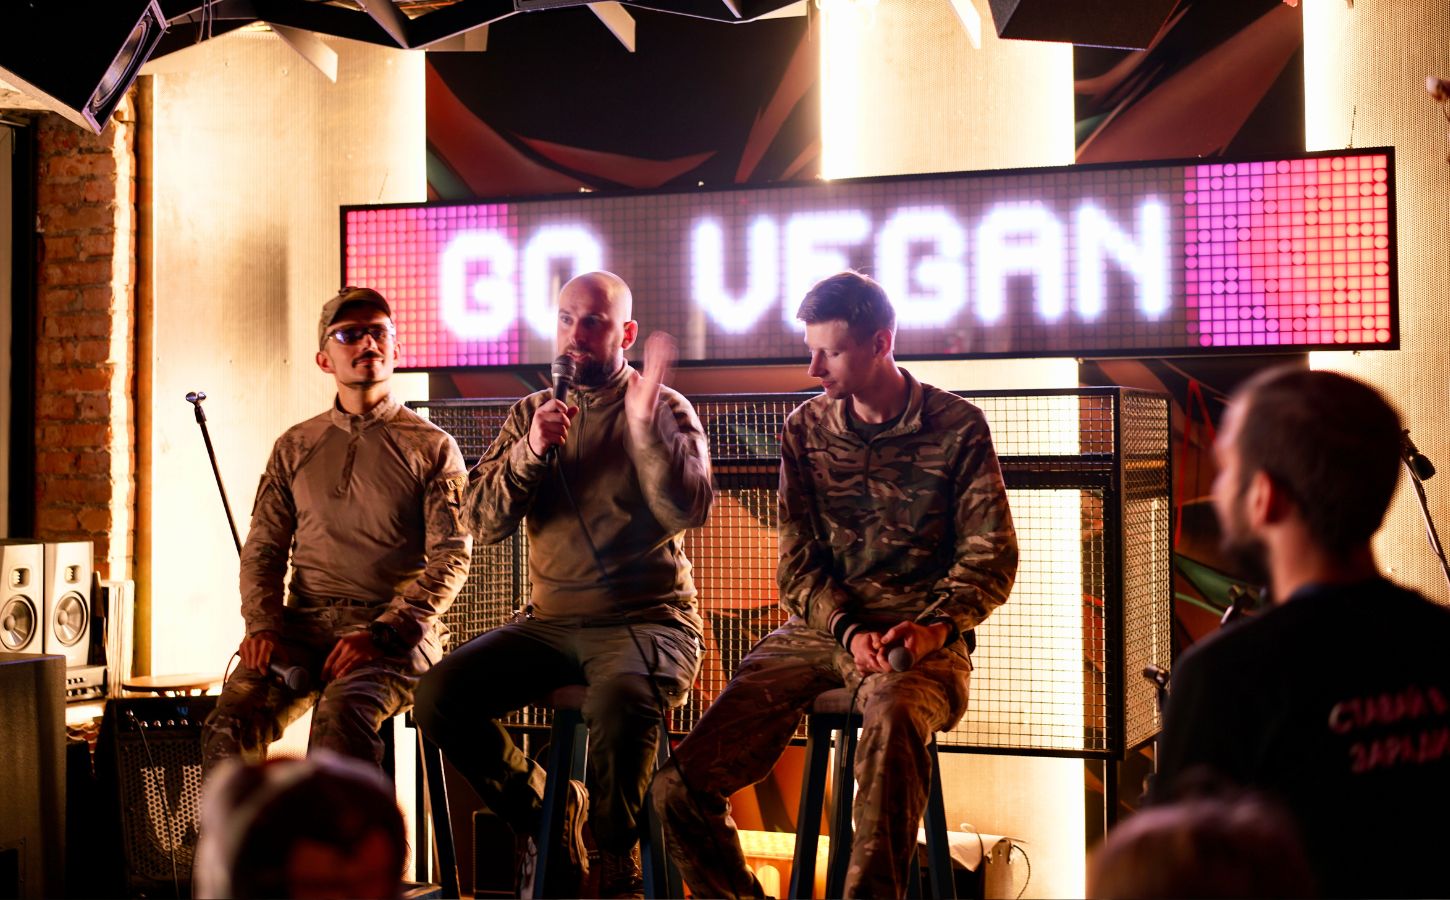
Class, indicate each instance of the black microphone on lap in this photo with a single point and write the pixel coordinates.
(562, 371)
(294, 677)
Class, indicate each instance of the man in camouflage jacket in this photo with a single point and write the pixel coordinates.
(605, 486)
(365, 502)
(894, 531)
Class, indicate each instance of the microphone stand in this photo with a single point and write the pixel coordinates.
(1420, 469)
(195, 398)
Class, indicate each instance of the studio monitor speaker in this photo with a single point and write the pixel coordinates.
(32, 775)
(67, 628)
(22, 604)
(1130, 24)
(148, 767)
(78, 56)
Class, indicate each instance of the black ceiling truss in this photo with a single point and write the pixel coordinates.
(405, 24)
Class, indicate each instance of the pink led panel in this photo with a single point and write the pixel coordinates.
(1150, 259)
(396, 251)
(1289, 252)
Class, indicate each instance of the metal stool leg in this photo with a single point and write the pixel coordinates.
(438, 806)
(808, 815)
(568, 750)
(661, 877)
(843, 788)
(939, 857)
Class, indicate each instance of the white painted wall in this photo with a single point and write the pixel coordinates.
(1364, 72)
(254, 151)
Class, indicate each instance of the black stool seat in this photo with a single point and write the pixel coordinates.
(831, 718)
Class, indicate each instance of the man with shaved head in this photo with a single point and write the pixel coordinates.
(605, 482)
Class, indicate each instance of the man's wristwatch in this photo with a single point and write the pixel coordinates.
(386, 638)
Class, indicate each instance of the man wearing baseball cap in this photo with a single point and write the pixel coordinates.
(363, 503)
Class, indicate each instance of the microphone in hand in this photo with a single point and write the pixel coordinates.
(900, 658)
(294, 677)
(562, 373)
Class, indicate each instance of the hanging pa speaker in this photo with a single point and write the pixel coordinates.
(1128, 24)
(21, 605)
(67, 611)
(79, 57)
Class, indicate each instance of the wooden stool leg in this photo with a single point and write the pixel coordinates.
(843, 788)
(808, 814)
(939, 857)
(567, 756)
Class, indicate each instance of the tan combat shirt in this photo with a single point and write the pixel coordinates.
(370, 508)
(638, 489)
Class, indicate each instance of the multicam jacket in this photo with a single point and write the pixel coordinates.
(636, 488)
(872, 533)
(369, 508)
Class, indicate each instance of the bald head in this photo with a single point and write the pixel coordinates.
(595, 325)
(604, 287)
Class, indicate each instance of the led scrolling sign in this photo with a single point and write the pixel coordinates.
(1147, 259)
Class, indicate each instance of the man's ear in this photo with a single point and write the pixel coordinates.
(631, 334)
(882, 342)
(323, 362)
(1266, 502)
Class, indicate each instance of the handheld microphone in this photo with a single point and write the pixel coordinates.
(900, 658)
(294, 677)
(562, 371)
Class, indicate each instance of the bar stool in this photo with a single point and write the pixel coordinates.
(832, 719)
(568, 756)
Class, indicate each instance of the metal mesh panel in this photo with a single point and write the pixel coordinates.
(1057, 666)
(1147, 559)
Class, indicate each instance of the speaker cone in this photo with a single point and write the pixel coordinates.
(17, 623)
(70, 619)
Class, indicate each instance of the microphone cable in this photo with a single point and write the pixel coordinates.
(651, 668)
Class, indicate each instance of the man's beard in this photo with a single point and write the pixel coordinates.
(1247, 555)
(592, 373)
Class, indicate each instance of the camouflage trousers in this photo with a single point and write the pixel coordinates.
(255, 707)
(747, 727)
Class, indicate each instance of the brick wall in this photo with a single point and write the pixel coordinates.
(84, 432)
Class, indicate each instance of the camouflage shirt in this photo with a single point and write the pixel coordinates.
(367, 508)
(877, 531)
(637, 489)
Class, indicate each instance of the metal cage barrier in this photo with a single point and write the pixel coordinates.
(1057, 667)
